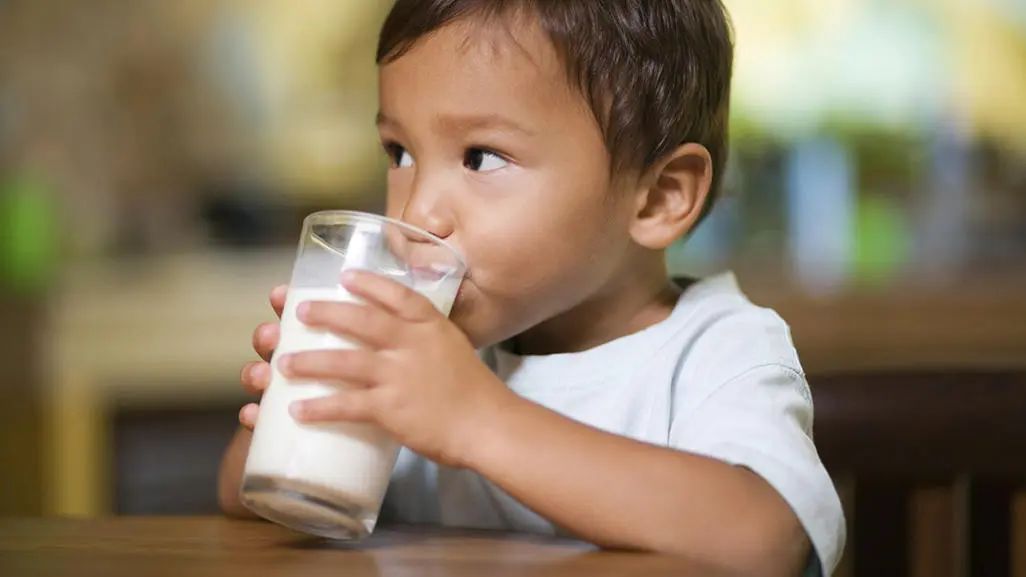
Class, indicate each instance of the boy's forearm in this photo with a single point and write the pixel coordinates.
(230, 475)
(617, 492)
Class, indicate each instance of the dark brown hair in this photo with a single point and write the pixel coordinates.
(656, 73)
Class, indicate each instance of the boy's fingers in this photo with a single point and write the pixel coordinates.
(368, 324)
(350, 366)
(278, 295)
(265, 339)
(346, 405)
(388, 294)
(256, 376)
(248, 415)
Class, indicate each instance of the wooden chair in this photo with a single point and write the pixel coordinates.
(931, 466)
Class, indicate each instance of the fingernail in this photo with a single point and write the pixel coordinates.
(303, 310)
(258, 371)
(245, 416)
(297, 409)
(265, 332)
(349, 276)
(285, 364)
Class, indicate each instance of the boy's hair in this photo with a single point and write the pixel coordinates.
(656, 73)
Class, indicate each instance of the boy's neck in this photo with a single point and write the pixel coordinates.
(633, 301)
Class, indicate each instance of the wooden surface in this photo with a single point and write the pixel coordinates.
(201, 546)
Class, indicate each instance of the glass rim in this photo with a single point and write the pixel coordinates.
(330, 217)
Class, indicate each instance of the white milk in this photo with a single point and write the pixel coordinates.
(298, 474)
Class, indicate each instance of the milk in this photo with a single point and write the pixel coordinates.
(327, 479)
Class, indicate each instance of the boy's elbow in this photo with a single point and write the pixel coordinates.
(759, 546)
(780, 549)
(769, 540)
(769, 547)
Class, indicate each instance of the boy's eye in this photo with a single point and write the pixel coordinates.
(399, 156)
(481, 160)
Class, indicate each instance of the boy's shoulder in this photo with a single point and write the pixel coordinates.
(722, 334)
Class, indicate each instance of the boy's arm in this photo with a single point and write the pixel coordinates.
(230, 475)
(605, 488)
(622, 493)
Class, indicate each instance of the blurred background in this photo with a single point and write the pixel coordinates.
(156, 159)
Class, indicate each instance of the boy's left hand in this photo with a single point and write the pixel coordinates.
(416, 374)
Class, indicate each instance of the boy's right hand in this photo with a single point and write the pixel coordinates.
(257, 375)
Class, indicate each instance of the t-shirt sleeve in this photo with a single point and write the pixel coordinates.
(761, 419)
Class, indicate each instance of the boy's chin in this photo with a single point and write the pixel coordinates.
(483, 325)
(479, 333)
(477, 339)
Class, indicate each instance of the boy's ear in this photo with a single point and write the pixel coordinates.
(671, 196)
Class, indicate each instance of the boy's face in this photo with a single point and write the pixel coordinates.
(492, 150)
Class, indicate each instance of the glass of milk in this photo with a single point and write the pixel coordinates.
(329, 479)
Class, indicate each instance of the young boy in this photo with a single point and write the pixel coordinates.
(562, 147)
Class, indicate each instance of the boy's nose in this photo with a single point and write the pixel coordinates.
(442, 228)
(430, 215)
(425, 210)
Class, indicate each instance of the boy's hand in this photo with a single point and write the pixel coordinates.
(256, 376)
(416, 374)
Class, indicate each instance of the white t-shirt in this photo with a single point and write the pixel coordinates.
(719, 377)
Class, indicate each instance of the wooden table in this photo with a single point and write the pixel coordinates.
(200, 546)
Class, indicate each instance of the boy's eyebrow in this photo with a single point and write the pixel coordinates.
(466, 123)
(383, 120)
